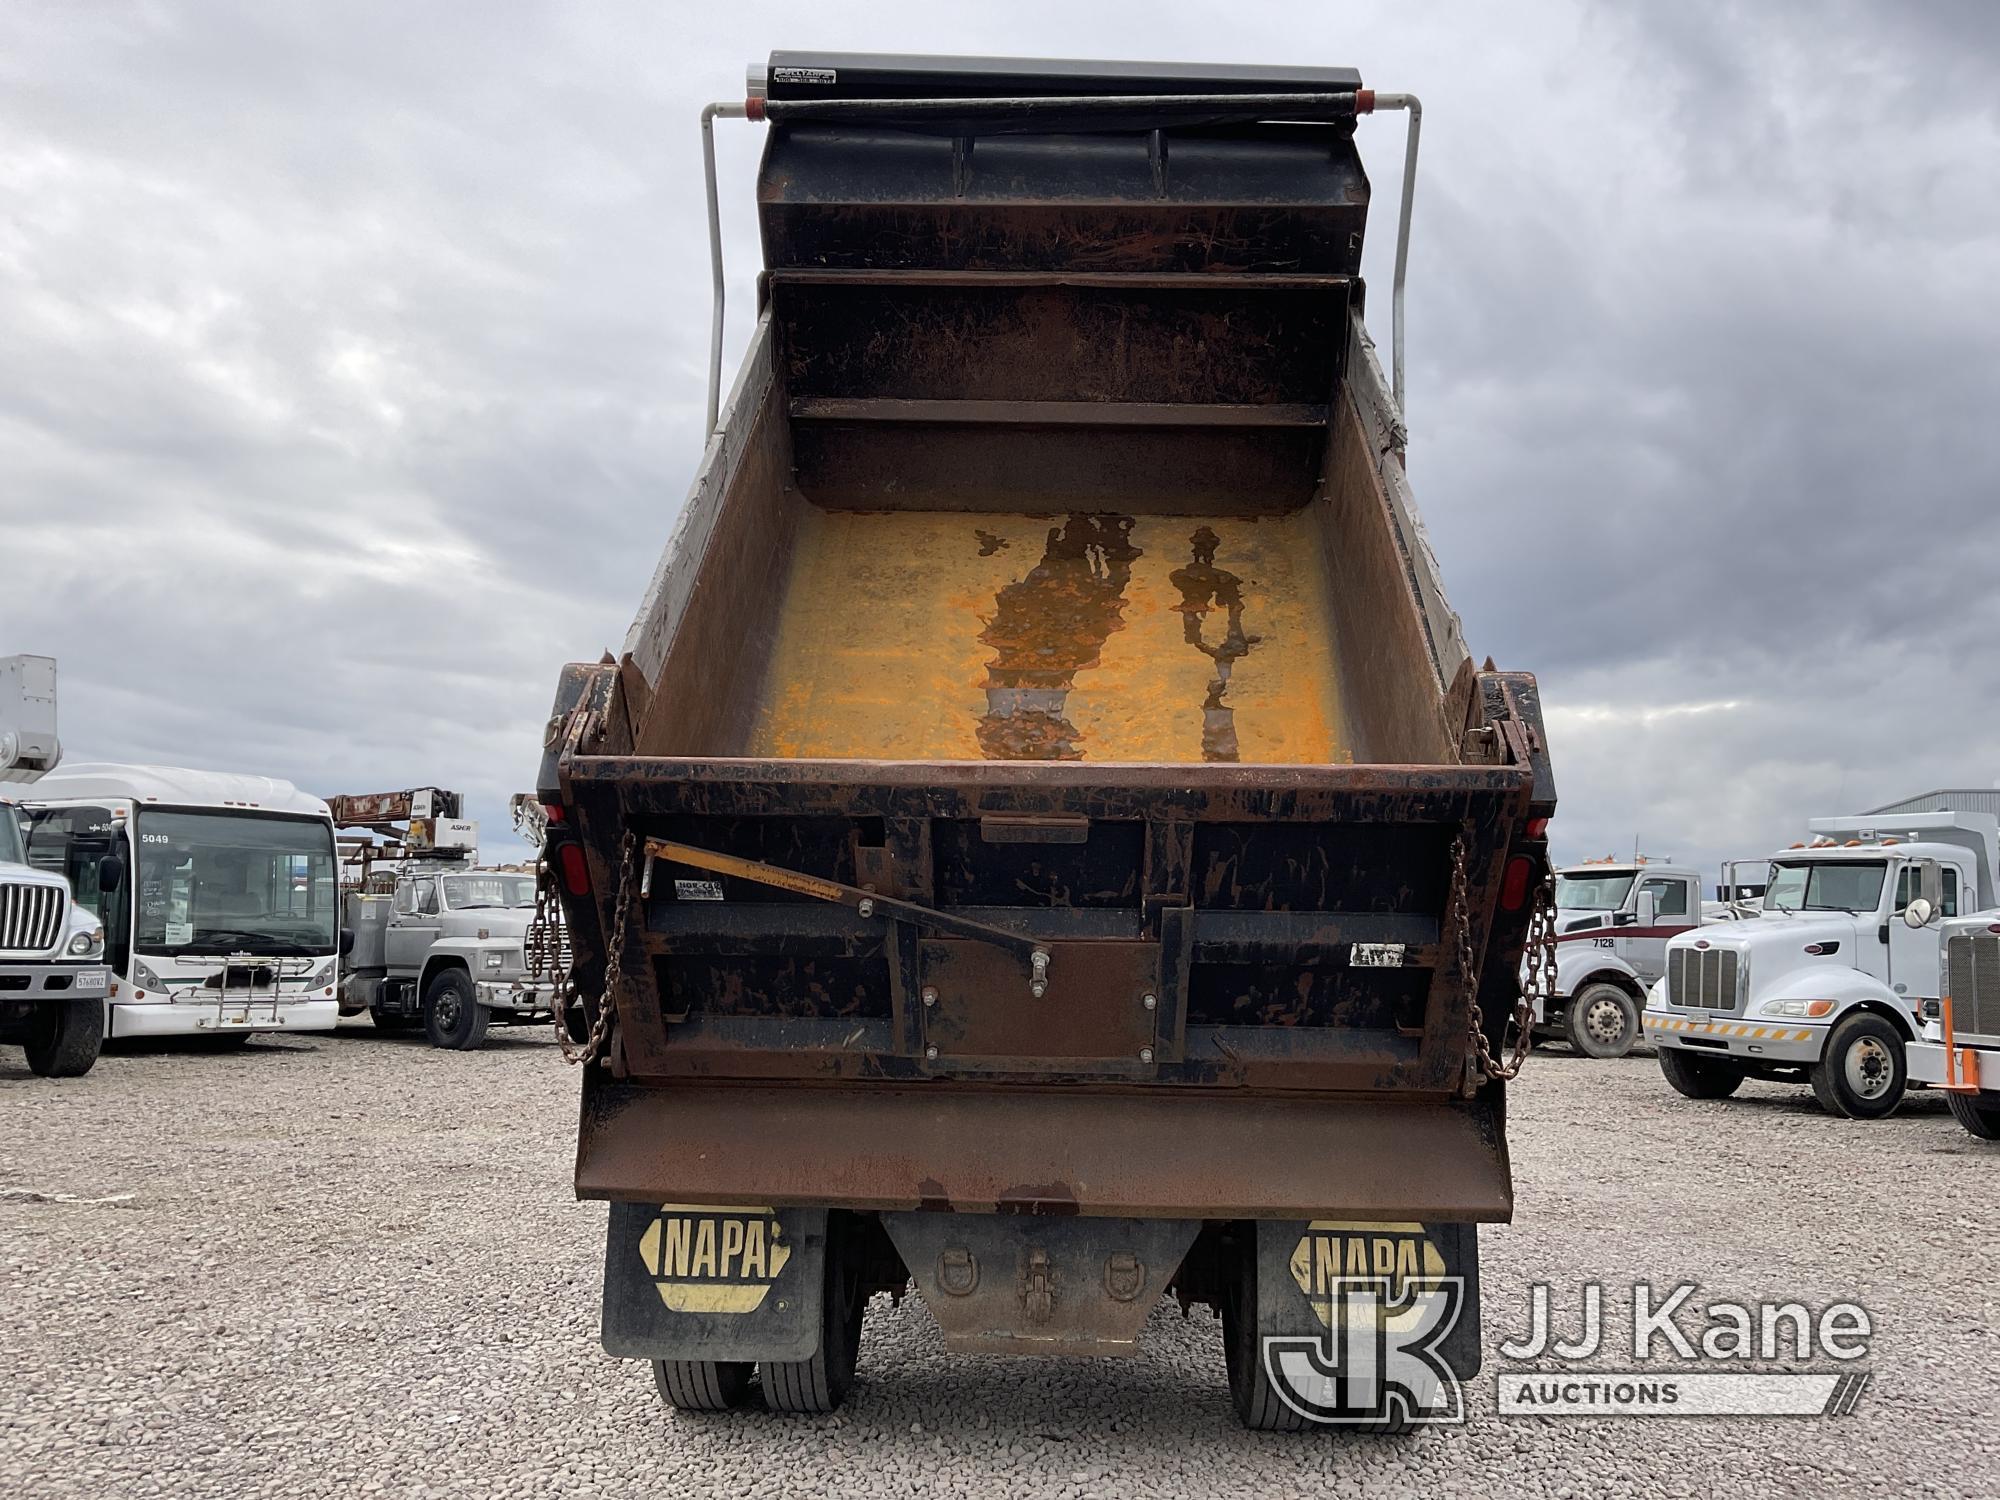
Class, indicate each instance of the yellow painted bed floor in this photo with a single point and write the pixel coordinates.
(932, 635)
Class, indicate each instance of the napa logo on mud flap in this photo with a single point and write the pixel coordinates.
(714, 1260)
(1385, 1307)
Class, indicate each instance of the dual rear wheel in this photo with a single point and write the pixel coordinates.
(812, 1385)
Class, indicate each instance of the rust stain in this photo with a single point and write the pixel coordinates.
(900, 635)
(1048, 627)
(1203, 586)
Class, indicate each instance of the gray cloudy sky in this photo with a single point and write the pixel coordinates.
(353, 368)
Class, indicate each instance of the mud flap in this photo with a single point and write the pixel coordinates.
(1299, 1264)
(691, 1282)
(1025, 1284)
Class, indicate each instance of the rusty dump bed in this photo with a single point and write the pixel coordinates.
(1044, 773)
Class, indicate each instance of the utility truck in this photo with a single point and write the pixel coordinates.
(52, 975)
(1613, 920)
(1045, 837)
(1839, 974)
(1961, 1051)
(227, 924)
(436, 941)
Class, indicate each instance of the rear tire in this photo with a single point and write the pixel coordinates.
(1978, 1113)
(1862, 1073)
(1602, 1021)
(706, 1385)
(453, 1017)
(820, 1383)
(1258, 1405)
(1695, 1077)
(63, 1039)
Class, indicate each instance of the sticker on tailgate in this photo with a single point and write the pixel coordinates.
(698, 890)
(1376, 956)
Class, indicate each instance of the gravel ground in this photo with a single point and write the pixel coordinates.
(350, 1265)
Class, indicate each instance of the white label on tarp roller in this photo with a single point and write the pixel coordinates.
(1377, 956)
(698, 890)
(803, 75)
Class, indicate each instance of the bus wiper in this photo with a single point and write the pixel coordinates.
(257, 942)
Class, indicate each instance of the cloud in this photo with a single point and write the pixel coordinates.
(355, 364)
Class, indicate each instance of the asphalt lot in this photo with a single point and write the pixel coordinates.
(351, 1265)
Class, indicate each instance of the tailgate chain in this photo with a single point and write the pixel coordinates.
(563, 976)
(1540, 979)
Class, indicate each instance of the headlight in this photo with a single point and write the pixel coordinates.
(1802, 1009)
(87, 944)
(144, 978)
(493, 960)
(320, 976)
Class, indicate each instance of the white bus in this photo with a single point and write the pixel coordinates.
(218, 894)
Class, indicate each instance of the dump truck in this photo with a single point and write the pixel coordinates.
(1045, 839)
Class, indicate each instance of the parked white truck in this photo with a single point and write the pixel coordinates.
(446, 950)
(1837, 977)
(1961, 1055)
(52, 974)
(435, 941)
(1613, 920)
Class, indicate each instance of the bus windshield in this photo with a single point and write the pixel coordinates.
(469, 892)
(1593, 892)
(226, 882)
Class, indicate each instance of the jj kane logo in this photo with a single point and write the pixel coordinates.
(1385, 1307)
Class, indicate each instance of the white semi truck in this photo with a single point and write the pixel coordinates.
(52, 974)
(1961, 1055)
(1839, 975)
(1613, 920)
(229, 922)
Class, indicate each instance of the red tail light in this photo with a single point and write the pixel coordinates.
(1538, 828)
(1514, 884)
(575, 873)
(553, 811)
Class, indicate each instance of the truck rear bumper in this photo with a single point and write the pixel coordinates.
(1138, 1154)
(128, 1020)
(1762, 1041)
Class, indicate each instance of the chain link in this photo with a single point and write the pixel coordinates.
(556, 961)
(1539, 981)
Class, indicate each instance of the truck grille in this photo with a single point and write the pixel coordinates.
(546, 949)
(1972, 979)
(30, 917)
(1703, 978)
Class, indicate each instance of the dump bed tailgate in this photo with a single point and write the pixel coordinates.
(1221, 942)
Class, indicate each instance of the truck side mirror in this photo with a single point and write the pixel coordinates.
(110, 873)
(1918, 912)
(1649, 907)
(346, 941)
(1930, 884)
